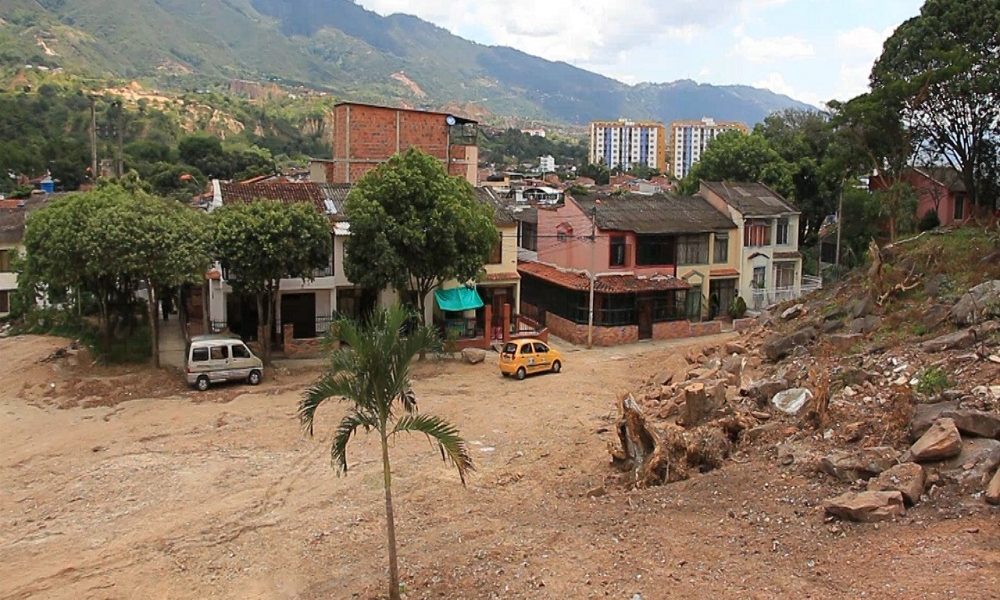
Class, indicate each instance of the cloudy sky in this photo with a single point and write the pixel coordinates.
(812, 50)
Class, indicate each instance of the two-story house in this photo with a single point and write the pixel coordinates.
(770, 265)
(938, 189)
(13, 215)
(657, 261)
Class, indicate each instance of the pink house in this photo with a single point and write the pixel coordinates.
(938, 189)
(653, 259)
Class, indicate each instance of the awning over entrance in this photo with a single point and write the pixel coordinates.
(458, 299)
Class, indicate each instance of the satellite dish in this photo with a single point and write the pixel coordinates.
(450, 120)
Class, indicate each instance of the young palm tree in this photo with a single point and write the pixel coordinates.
(372, 374)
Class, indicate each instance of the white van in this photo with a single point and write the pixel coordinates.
(215, 358)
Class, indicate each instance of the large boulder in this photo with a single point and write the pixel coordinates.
(861, 307)
(958, 339)
(865, 463)
(975, 422)
(735, 348)
(793, 312)
(940, 441)
(925, 415)
(978, 304)
(864, 324)
(762, 390)
(473, 356)
(781, 346)
(974, 464)
(867, 507)
(906, 478)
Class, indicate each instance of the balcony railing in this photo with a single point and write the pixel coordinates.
(763, 298)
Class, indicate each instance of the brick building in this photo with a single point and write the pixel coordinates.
(366, 135)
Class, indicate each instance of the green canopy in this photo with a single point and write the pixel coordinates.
(458, 299)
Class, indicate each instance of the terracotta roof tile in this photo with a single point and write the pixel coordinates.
(501, 276)
(285, 191)
(606, 284)
(724, 273)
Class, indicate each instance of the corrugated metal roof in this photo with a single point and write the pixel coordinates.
(329, 199)
(12, 218)
(751, 199)
(605, 284)
(656, 213)
(502, 217)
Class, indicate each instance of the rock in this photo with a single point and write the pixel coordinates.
(864, 324)
(941, 440)
(861, 307)
(792, 400)
(779, 347)
(761, 415)
(993, 489)
(864, 463)
(733, 366)
(473, 355)
(702, 373)
(793, 312)
(831, 326)
(596, 492)
(664, 378)
(933, 285)
(735, 348)
(978, 459)
(978, 304)
(845, 341)
(853, 376)
(958, 339)
(935, 315)
(975, 422)
(764, 389)
(868, 507)
(925, 415)
(906, 478)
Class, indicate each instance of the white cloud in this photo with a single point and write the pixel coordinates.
(863, 41)
(777, 84)
(770, 49)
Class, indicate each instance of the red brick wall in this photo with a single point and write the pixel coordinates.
(671, 330)
(706, 328)
(603, 336)
(304, 348)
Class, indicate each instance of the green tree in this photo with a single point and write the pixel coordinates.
(946, 62)
(414, 227)
(372, 374)
(259, 243)
(598, 172)
(734, 156)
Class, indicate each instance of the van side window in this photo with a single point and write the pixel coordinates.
(240, 351)
(220, 352)
(199, 354)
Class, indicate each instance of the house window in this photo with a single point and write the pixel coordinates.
(496, 253)
(721, 248)
(782, 232)
(654, 250)
(959, 207)
(759, 278)
(5, 258)
(617, 258)
(692, 249)
(529, 236)
(784, 275)
(757, 233)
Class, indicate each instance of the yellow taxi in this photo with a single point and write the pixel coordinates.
(522, 357)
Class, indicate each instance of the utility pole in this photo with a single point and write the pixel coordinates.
(93, 140)
(593, 255)
(120, 162)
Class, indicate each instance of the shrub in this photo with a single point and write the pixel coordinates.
(929, 221)
(933, 381)
(738, 307)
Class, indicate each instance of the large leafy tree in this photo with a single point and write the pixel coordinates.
(371, 374)
(947, 63)
(414, 227)
(259, 243)
(735, 156)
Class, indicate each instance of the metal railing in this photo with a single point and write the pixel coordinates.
(763, 298)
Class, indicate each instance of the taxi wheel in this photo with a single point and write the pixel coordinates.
(521, 374)
(556, 367)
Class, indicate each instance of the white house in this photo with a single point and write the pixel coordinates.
(768, 229)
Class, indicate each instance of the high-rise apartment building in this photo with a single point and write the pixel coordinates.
(688, 140)
(625, 144)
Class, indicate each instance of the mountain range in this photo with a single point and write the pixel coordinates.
(356, 54)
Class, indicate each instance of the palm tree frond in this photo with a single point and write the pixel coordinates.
(445, 434)
(409, 401)
(348, 425)
(330, 386)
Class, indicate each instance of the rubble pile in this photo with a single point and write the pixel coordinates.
(891, 395)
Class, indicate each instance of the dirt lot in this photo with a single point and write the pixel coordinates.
(124, 484)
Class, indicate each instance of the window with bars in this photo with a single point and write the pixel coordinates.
(721, 248)
(757, 233)
(692, 249)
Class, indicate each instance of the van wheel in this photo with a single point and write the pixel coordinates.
(556, 367)
(201, 383)
(521, 374)
(254, 377)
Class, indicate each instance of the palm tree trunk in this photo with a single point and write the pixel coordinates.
(390, 523)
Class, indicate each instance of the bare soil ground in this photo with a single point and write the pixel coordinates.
(122, 483)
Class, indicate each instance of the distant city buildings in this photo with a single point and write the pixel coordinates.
(546, 164)
(688, 140)
(625, 144)
(534, 132)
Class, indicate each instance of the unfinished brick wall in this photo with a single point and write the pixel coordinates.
(671, 330)
(301, 348)
(602, 336)
(706, 328)
(364, 136)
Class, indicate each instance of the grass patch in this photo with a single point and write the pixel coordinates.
(128, 348)
(933, 381)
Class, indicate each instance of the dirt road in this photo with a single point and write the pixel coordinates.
(172, 494)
